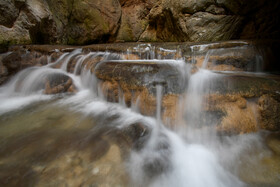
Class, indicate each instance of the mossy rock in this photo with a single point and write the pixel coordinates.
(93, 21)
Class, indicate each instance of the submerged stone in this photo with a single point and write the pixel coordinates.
(59, 84)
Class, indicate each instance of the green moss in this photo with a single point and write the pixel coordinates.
(96, 19)
(71, 41)
(125, 32)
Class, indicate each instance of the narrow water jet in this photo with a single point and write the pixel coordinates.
(159, 97)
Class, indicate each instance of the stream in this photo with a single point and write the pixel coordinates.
(91, 136)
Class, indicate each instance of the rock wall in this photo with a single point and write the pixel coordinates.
(95, 21)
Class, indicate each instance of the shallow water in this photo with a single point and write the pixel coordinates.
(68, 141)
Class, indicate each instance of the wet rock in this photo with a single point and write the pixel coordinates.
(246, 86)
(233, 63)
(129, 82)
(90, 63)
(20, 59)
(269, 109)
(130, 57)
(136, 135)
(110, 90)
(170, 110)
(238, 116)
(136, 74)
(157, 163)
(244, 116)
(12, 62)
(59, 83)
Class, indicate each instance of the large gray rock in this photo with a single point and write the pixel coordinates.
(182, 20)
(204, 26)
(209, 20)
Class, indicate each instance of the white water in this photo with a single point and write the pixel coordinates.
(159, 97)
(68, 58)
(188, 157)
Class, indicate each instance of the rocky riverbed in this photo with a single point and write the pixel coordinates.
(108, 115)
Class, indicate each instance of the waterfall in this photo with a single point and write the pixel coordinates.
(159, 97)
(68, 58)
(192, 154)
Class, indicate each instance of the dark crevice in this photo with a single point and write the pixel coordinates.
(69, 23)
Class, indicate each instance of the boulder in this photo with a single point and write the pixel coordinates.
(9, 13)
(96, 21)
(19, 59)
(163, 26)
(204, 26)
(269, 110)
(134, 19)
(191, 21)
(208, 20)
(48, 22)
(23, 28)
(58, 84)
(61, 13)
(93, 21)
(136, 74)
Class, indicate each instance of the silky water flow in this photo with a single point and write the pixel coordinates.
(190, 153)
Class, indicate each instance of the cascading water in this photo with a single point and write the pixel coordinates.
(191, 155)
(159, 96)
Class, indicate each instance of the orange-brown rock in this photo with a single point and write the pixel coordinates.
(269, 113)
(130, 57)
(170, 109)
(240, 116)
(60, 84)
(224, 63)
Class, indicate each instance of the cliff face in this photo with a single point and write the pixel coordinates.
(96, 21)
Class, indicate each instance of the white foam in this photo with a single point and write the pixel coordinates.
(10, 103)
